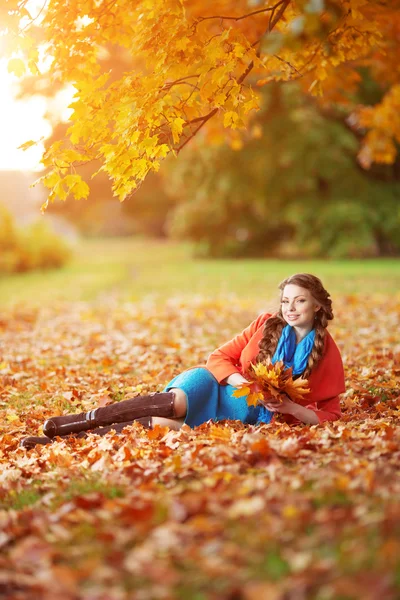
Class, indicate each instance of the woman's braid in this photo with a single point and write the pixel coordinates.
(273, 326)
(271, 334)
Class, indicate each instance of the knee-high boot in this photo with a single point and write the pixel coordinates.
(158, 404)
(32, 441)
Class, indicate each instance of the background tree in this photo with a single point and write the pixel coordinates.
(294, 189)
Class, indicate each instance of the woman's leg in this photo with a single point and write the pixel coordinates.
(167, 404)
(155, 404)
(180, 408)
(180, 402)
(197, 396)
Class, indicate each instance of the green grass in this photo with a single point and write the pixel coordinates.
(134, 268)
(85, 484)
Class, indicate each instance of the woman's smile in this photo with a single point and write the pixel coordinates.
(292, 317)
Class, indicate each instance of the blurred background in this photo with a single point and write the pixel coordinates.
(286, 195)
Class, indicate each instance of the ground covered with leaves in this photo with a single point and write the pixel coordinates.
(224, 511)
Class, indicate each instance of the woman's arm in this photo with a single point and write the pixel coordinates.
(305, 415)
(288, 407)
(224, 361)
(326, 410)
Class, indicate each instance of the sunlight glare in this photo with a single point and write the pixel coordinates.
(20, 121)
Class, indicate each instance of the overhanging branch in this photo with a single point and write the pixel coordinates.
(282, 5)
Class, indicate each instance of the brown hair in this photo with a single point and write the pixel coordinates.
(274, 325)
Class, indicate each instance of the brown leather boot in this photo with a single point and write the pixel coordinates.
(30, 442)
(158, 404)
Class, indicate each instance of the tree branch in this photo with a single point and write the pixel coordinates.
(170, 84)
(289, 65)
(204, 121)
(227, 18)
(274, 19)
(283, 4)
(33, 18)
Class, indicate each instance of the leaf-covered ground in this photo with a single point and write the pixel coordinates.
(223, 511)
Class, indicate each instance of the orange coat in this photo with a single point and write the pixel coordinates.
(326, 381)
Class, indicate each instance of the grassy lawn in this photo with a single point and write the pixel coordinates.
(134, 268)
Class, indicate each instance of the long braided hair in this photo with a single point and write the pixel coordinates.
(274, 325)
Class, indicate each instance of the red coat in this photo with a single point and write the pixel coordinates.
(326, 381)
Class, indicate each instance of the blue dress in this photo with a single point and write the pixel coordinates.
(207, 399)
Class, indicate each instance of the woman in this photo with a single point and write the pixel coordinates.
(296, 334)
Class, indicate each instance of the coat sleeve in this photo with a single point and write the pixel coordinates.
(225, 360)
(328, 410)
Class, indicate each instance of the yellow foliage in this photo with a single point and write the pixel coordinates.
(191, 64)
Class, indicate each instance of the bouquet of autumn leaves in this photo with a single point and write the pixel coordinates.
(272, 380)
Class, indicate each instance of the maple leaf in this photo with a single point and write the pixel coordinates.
(272, 380)
(16, 66)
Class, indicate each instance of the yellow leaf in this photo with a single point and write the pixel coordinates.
(77, 186)
(230, 119)
(239, 51)
(162, 150)
(11, 417)
(33, 55)
(242, 391)
(33, 67)
(17, 67)
(51, 179)
(60, 191)
(250, 105)
(220, 99)
(177, 128)
(219, 433)
(27, 145)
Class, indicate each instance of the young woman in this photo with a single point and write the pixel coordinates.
(296, 334)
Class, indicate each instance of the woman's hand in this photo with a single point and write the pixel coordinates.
(236, 380)
(286, 406)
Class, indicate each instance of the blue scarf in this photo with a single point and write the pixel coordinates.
(295, 356)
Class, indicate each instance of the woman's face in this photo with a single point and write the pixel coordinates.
(298, 306)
